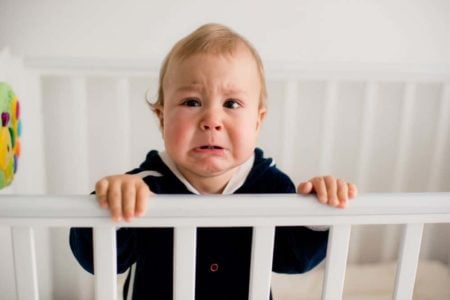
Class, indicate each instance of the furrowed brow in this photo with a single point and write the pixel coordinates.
(189, 88)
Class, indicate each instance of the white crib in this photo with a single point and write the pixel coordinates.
(384, 127)
(262, 212)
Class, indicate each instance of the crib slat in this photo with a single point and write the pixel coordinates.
(336, 262)
(327, 131)
(185, 240)
(441, 133)
(368, 117)
(78, 142)
(123, 106)
(290, 115)
(261, 262)
(25, 263)
(105, 263)
(404, 134)
(407, 265)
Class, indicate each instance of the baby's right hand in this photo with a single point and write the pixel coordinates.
(124, 195)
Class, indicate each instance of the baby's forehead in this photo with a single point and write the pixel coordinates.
(214, 47)
(238, 49)
(181, 70)
(200, 60)
(227, 88)
(214, 58)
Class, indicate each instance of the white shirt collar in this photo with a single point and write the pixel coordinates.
(236, 181)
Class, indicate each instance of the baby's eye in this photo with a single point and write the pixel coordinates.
(192, 102)
(231, 103)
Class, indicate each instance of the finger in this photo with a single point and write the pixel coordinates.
(101, 190)
(115, 200)
(342, 193)
(128, 201)
(352, 190)
(331, 186)
(143, 193)
(320, 189)
(305, 187)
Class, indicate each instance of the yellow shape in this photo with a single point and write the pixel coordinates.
(6, 150)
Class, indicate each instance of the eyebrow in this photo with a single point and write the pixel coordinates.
(191, 87)
(236, 92)
(198, 87)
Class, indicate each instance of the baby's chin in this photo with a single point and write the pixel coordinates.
(211, 164)
(215, 170)
(210, 169)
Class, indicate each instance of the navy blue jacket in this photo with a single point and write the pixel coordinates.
(223, 254)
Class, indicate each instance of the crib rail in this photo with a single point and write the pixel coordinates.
(262, 212)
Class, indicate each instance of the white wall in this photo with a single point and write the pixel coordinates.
(398, 31)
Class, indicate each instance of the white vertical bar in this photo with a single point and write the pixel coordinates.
(33, 152)
(65, 133)
(185, 240)
(327, 132)
(123, 105)
(366, 136)
(407, 265)
(105, 263)
(261, 262)
(25, 263)
(336, 262)
(289, 123)
(79, 86)
(442, 134)
(404, 136)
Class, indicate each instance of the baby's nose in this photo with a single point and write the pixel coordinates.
(211, 121)
(210, 126)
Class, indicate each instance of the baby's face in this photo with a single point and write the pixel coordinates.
(211, 115)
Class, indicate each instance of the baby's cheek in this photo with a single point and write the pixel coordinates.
(175, 134)
(247, 136)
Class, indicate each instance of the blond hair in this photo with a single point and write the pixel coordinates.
(209, 38)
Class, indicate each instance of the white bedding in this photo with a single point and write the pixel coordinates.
(368, 282)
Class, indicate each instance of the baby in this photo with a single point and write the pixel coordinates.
(211, 103)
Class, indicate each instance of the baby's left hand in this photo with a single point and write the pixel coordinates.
(329, 190)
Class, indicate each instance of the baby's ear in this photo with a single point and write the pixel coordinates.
(261, 116)
(158, 109)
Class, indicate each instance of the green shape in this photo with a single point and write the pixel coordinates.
(6, 96)
(2, 180)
